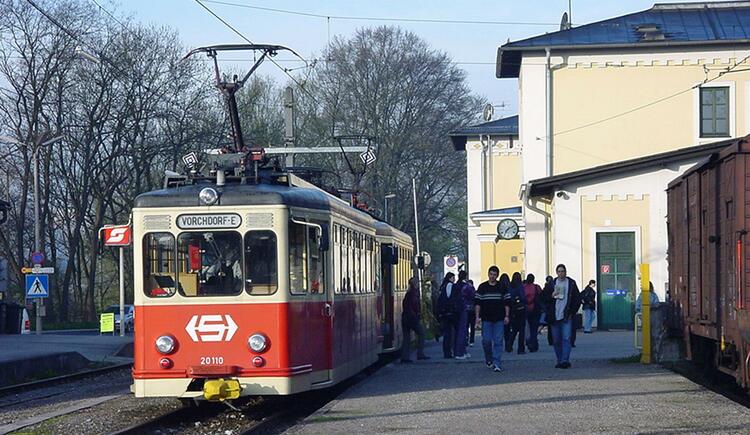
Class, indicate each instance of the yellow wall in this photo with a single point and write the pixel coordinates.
(582, 95)
(500, 254)
(507, 181)
(612, 213)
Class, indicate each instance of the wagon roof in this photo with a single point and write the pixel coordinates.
(734, 146)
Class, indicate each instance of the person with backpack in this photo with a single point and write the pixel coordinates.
(517, 314)
(492, 310)
(448, 312)
(459, 345)
(588, 296)
(533, 293)
(411, 321)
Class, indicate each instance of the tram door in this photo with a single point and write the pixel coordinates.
(386, 272)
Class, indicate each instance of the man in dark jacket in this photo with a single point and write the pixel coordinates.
(449, 303)
(588, 296)
(411, 321)
(563, 301)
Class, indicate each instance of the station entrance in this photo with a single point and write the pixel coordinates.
(616, 280)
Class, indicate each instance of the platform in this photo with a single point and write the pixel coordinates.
(28, 355)
(596, 395)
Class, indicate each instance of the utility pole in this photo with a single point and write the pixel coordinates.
(416, 226)
(289, 124)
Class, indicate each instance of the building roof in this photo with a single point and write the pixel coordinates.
(665, 24)
(499, 127)
(547, 186)
(498, 212)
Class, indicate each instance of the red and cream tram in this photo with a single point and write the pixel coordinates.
(268, 286)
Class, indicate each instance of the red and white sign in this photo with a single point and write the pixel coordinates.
(117, 235)
(211, 327)
(605, 268)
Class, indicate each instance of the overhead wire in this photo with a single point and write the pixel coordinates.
(131, 32)
(651, 103)
(394, 19)
(284, 70)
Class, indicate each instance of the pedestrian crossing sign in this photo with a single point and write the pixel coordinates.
(37, 286)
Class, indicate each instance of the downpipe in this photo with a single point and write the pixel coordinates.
(547, 224)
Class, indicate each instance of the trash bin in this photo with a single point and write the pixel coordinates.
(13, 313)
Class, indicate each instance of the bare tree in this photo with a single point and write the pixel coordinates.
(388, 83)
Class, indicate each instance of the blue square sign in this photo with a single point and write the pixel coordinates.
(37, 286)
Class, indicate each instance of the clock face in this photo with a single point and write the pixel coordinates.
(507, 229)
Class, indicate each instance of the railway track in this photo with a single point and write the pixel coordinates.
(250, 416)
(715, 381)
(43, 383)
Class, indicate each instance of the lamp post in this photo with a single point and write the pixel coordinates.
(387, 197)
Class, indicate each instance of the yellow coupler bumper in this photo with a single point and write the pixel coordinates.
(221, 389)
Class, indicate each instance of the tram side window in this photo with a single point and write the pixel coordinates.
(316, 278)
(159, 265)
(336, 264)
(261, 265)
(211, 263)
(297, 259)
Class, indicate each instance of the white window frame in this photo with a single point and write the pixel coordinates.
(697, 111)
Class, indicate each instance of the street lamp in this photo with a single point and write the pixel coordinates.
(37, 225)
(387, 197)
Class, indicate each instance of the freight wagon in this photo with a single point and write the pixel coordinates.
(709, 259)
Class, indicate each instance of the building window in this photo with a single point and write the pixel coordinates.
(714, 112)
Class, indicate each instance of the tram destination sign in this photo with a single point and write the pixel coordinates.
(223, 220)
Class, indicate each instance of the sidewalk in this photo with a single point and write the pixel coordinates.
(530, 396)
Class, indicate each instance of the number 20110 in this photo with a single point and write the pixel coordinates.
(212, 360)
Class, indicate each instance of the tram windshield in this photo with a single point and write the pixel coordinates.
(210, 263)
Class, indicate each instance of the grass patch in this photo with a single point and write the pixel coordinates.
(632, 359)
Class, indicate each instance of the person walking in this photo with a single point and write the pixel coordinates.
(469, 293)
(588, 297)
(492, 310)
(448, 304)
(517, 314)
(563, 301)
(411, 321)
(532, 291)
(459, 344)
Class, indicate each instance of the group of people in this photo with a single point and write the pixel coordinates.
(504, 307)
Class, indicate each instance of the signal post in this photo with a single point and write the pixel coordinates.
(120, 236)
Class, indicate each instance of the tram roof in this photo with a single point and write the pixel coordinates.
(385, 230)
(233, 194)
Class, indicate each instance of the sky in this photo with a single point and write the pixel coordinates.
(472, 46)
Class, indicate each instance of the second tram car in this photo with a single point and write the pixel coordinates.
(265, 287)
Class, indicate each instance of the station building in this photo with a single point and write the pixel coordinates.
(493, 163)
(609, 113)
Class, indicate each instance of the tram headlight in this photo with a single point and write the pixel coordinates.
(208, 196)
(165, 344)
(257, 343)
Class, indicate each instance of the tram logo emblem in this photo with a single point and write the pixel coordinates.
(211, 327)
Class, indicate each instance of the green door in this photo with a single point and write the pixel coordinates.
(615, 261)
